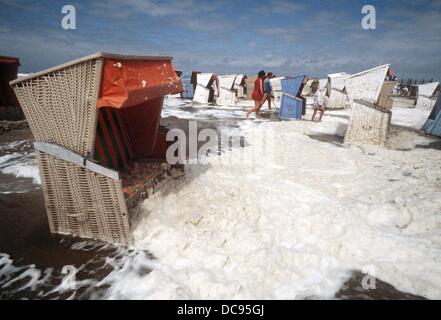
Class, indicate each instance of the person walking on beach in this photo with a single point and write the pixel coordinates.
(258, 95)
(267, 88)
(318, 103)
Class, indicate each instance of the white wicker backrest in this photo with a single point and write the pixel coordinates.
(60, 105)
(204, 79)
(227, 81)
(366, 85)
(427, 89)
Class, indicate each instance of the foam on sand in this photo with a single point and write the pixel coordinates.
(19, 159)
(290, 228)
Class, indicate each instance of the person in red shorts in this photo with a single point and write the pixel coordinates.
(258, 94)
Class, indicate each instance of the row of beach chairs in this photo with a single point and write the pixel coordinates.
(100, 147)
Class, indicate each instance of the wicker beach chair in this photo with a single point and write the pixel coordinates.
(99, 145)
(205, 90)
(369, 86)
(369, 124)
(276, 88)
(369, 96)
(337, 97)
(239, 86)
(227, 95)
(424, 95)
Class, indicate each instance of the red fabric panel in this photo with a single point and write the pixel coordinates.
(128, 83)
(111, 159)
(161, 145)
(125, 140)
(117, 135)
(142, 122)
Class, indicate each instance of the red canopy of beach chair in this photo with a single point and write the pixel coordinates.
(135, 88)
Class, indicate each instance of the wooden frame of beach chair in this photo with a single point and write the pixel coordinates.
(99, 146)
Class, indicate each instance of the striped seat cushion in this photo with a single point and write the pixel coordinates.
(112, 146)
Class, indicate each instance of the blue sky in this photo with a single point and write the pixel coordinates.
(286, 37)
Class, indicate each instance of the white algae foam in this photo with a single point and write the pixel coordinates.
(290, 226)
(293, 227)
(18, 159)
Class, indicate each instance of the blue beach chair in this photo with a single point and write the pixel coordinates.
(291, 106)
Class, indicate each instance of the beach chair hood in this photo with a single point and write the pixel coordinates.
(128, 83)
(74, 97)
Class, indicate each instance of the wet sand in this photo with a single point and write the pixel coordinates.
(25, 237)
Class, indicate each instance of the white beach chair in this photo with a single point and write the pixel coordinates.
(367, 85)
(239, 86)
(227, 95)
(337, 97)
(424, 94)
(369, 96)
(276, 88)
(204, 91)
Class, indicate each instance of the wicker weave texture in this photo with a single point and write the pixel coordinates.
(83, 203)
(61, 106)
(384, 99)
(337, 100)
(366, 85)
(368, 125)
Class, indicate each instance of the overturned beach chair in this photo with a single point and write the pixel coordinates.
(369, 96)
(227, 95)
(205, 90)
(370, 86)
(337, 97)
(98, 142)
(424, 95)
(291, 105)
(368, 124)
(433, 123)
